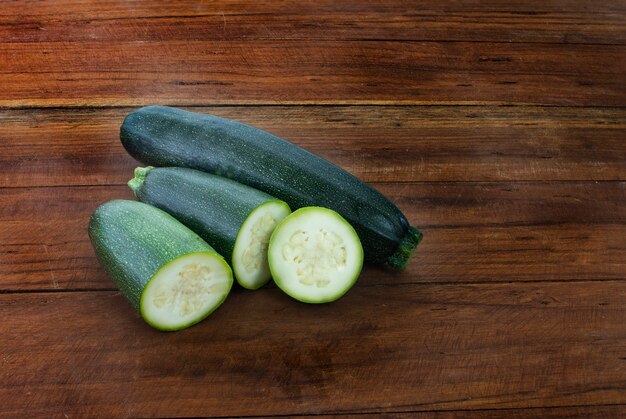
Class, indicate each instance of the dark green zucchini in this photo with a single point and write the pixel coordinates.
(235, 219)
(163, 136)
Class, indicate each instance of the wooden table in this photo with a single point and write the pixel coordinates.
(498, 127)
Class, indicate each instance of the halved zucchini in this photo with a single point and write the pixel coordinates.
(167, 272)
(235, 219)
(315, 255)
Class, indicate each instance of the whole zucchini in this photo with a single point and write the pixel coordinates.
(164, 136)
(166, 271)
(235, 219)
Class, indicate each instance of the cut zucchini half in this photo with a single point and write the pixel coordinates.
(250, 251)
(315, 255)
(235, 219)
(165, 270)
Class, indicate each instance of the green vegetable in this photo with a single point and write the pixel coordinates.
(166, 271)
(235, 219)
(315, 255)
(162, 136)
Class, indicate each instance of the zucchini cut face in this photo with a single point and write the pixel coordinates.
(249, 257)
(185, 291)
(315, 255)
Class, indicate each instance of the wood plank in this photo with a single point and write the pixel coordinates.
(560, 28)
(114, 9)
(231, 57)
(413, 347)
(41, 147)
(513, 22)
(310, 72)
(473, 232)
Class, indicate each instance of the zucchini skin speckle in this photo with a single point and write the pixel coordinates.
(165, 136)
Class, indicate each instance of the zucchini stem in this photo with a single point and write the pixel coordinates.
(407, 246)
(140, 175)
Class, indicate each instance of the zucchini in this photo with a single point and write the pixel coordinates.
(167, 272)
(235, 219)
(164, 136)
(315, 255)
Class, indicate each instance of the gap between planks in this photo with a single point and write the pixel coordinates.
(72, 105)
(321, 104)
(373, 183)
(611, 408)
(272, 286)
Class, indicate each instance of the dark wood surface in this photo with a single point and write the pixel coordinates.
(498, 127)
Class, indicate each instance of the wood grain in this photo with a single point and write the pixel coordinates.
(52, 147)
(396, 349)
(114, 9)
(512, 22)
(473, 232)
(316, 71)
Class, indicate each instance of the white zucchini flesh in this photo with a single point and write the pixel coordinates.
(249, 257)
(315, 255)
(185, 291)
